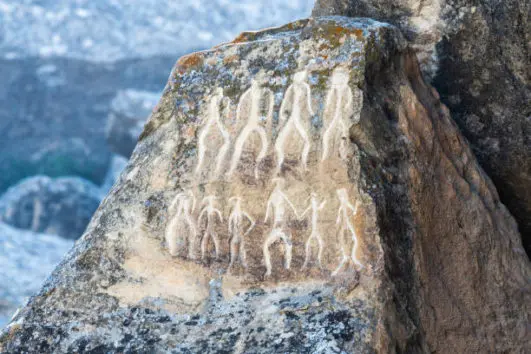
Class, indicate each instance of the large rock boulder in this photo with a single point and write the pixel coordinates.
(476, 53)
(300, 189)
(27, 258)
(61, 206)
(129, 111)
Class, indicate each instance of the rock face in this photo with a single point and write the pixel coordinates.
(300, 189)
(477, 56)
(129, 111)
(61, 206)
(22, 272)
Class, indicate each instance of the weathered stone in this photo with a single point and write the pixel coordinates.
(61, 206)
(129, 111)
(118, 164)
(476, 53)
(300, 189)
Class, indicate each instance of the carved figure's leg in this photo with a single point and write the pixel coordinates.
(287, 253)
(263, 150)
(320, 251)
(215, 238)
(272, 238)
(306, 148)
(308, 250)
(279, 144)
(233, 250)
(238, 148)
(243, 253)
(221, 156)
(344, 255)
(355, 259)
(204, 244)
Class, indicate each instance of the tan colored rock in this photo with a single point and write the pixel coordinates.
(299, 189)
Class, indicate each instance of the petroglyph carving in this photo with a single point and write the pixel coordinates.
(280, 231)
(214, 122)
(210, 212)
(345, 225)
(340, 104)
(236, 226)
(253, 100)
(315, 207)
(182, 227)
(292, 116)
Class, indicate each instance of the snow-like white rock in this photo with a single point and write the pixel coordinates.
(26, 259)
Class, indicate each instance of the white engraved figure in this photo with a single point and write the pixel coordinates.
(339, 108)
(182, 221)
(213, 122)
(297, 95)
(276, 203)
(315, 207)
(254, 98)
(210, 212)
(236, 224)
(345, 225)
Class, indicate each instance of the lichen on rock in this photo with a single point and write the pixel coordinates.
(299, 189)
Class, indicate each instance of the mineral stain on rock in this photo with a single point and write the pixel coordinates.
(240, 225)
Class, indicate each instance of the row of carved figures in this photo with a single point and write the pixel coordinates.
(341, 103)
(184, 228)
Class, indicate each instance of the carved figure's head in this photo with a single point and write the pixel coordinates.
(300, 77)
(209, 199)
(218, 91)
(278, 182)
(235, 200)
(340, 77)
(342, 194)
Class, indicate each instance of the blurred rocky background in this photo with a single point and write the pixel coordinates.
(79, 78)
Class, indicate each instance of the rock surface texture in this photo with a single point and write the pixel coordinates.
(476, 54)
(300, 189)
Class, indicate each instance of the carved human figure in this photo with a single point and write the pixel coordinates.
(292, 116)
(341, 103)
(236, 231)
(345, 225)
(182, 226)
(209, 212)
(254, 99)
(277, 204)
(214, 121)
(315, 206)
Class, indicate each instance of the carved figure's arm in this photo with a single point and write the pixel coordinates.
(251, 220)
(338, 220)
(267, 210)
(307, 210)
(201, 217)
(290, 204)
(219, 214)
(309, 98)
